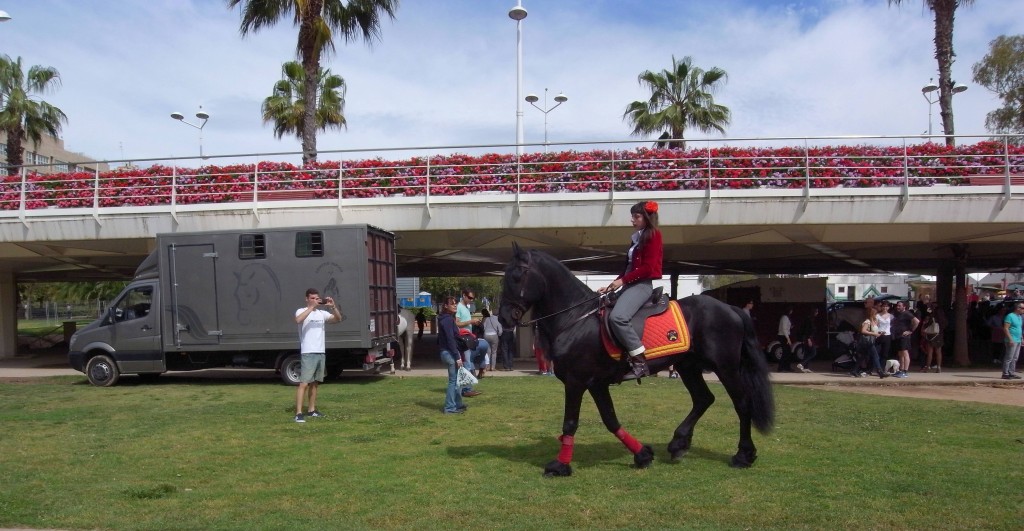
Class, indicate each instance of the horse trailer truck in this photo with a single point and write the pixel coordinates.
(228, 298)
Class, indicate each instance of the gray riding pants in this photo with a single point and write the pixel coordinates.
(630, 300)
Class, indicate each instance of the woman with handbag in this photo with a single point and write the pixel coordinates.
(450, 355)
(931, 338)
(868, 336)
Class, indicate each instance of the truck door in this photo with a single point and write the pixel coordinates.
(194, 298)
(134, 331)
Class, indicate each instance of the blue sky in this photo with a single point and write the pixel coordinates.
(444, 71)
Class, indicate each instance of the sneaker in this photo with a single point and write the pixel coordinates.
(1007, 376)
(1015, 376)
(901, 374)
(298, 418)
(315, 413)
(455, 412)
(800, 367)
(470, 394)
(937, 370)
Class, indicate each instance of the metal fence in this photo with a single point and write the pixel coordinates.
(707, 165)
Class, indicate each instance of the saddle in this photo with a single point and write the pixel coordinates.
(660, 325)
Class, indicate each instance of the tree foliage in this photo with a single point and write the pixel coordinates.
(716, 281)
(440, 287)
(319, 23)
(22, 115)
(1002, 72)
(286, 107)
(681, 97)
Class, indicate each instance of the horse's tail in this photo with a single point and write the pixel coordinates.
(754, 377)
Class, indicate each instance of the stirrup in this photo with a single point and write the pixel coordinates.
(638, 364)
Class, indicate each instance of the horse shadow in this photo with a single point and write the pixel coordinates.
(586, 455)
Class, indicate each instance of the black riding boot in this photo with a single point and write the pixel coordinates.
(639, 365)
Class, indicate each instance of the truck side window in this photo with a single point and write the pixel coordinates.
(309, 244)
(134, 305)
(252, 246)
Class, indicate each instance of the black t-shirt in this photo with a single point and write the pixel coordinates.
(902, 322)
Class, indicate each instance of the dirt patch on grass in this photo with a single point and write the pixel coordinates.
(1010, 395)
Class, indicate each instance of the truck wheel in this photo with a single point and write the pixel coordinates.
(291, 369)
(775, 352)
(798, 352)
(102, 371)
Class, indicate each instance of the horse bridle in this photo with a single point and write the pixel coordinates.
(521, 308)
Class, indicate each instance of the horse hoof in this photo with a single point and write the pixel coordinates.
(557, 469)
(678, 451)
(644, 457)
(742, 462)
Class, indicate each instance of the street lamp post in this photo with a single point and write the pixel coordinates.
(559, 99)
(4, 17)
(518, 14)
(202, 116)
(930, 90)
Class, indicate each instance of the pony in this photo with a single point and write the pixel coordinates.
(405, 340)
(722, 340)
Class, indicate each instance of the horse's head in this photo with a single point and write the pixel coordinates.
(522, 287)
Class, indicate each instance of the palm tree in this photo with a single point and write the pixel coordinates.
(23, 115)
(285, 107)
(318, 21)
(680, 98)
(945, 11)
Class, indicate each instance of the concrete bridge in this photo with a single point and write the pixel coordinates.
(900, 225)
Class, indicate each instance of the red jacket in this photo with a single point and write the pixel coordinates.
(646, 261)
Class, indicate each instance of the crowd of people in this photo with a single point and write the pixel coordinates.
(890, 332)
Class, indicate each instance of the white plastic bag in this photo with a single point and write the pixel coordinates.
(466, 378)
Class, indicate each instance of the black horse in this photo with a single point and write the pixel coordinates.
(722, 340)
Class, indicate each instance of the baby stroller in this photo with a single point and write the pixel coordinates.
(844, 351)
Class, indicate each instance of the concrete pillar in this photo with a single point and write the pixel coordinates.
(960, 351)
(8, 316)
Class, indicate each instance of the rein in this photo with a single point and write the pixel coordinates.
(577, 305)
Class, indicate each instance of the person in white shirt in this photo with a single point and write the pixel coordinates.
(884, 342)
(313, 348)
(785, 337)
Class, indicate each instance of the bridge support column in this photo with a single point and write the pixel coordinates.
(8, 316)
(960, 352)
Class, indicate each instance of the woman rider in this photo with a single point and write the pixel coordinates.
(643, 266)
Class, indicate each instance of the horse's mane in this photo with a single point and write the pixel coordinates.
(574, 288)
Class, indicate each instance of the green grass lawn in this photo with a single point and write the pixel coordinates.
(189, 453)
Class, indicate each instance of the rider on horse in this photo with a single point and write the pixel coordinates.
(643, 266)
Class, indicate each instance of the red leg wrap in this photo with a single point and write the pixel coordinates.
(565, 454)
(628, 440)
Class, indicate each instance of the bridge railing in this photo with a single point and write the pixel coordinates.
(707, 165)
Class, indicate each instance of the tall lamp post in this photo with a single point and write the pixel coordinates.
(559, 99)
(202, 116)
(4, 17)
(518, 14)
(931, 95)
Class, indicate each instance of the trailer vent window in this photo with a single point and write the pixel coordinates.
(309, 244)
(252, 246)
